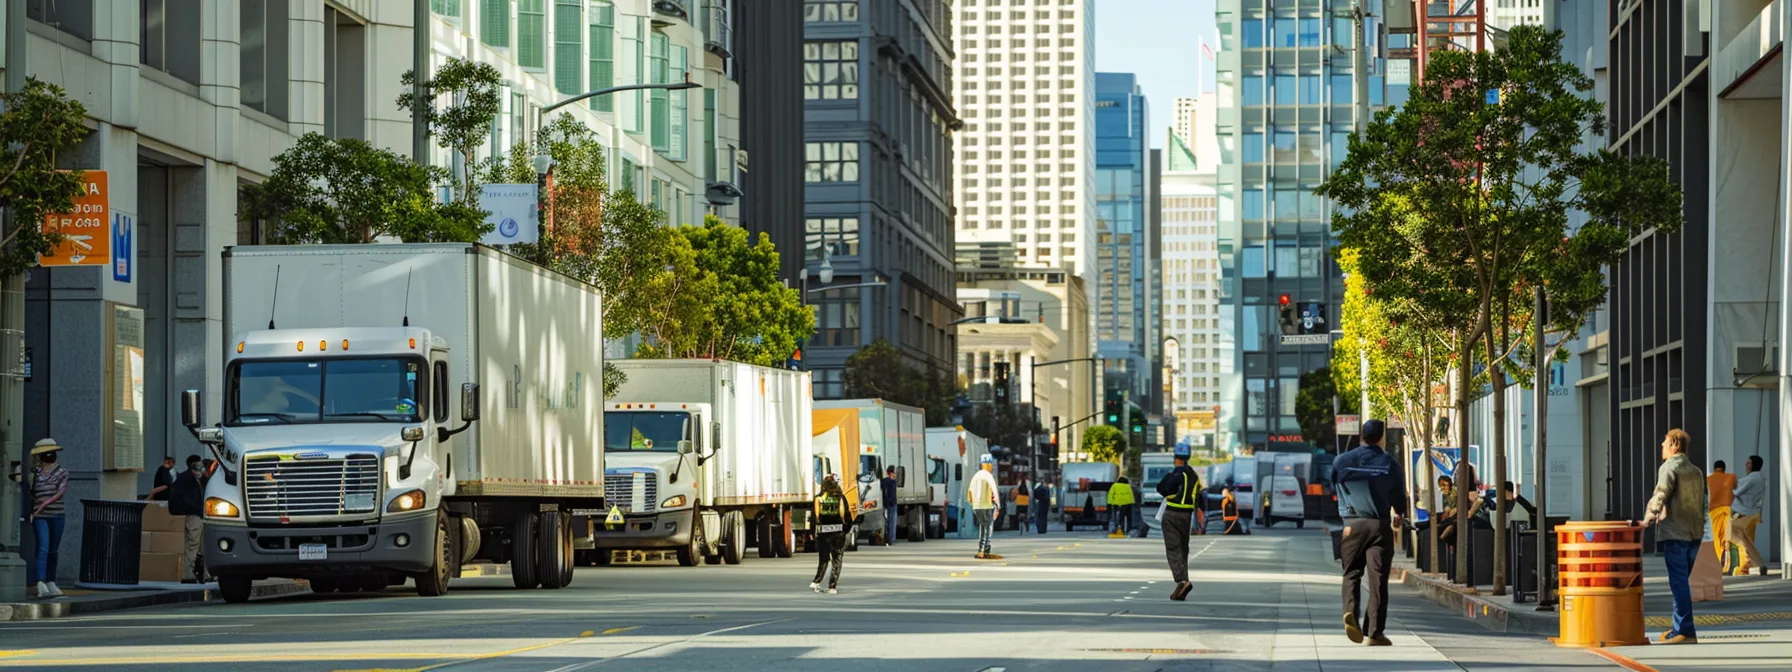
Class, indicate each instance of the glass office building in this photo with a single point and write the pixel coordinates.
(1127, 330)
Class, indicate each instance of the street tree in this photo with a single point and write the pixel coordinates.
(465, 123)
(38, 122)
(733, 305)
(1104, 443)
(877, 371)
(1479, 173)
(1313, 408)
(344, 190)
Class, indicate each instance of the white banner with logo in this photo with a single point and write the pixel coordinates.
(512, 213)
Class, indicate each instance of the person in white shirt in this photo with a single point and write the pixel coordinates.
(986, 505)
(1751, 489)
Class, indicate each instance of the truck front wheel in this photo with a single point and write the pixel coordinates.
(434, 582)
(523, 552)
(236, 587)
(692, 552)
(734, 537)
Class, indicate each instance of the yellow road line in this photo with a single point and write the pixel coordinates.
(613, 631)
(18, 652)
(451, 658)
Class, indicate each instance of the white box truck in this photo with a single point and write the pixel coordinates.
(702, 453)
(959, 454)
(891, 435)
(1085, 502)
(341, 459)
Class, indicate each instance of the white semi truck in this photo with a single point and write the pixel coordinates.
(891, 435)
(704, 456)
(340, 457)
(959, 454)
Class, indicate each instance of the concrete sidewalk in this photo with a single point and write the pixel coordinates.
(90, 599)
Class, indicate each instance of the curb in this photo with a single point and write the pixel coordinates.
(1622, 660)
(43, 611)
(1487, 613)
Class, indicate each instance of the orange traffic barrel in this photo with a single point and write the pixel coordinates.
(1599, 580)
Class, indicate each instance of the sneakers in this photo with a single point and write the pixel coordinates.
(991, 556)
(1674, 638)
(833, 591)
(43, 590)
(815, 586)
(55, 590)
(1181, 592)
(1352, 630)
(1380, 640)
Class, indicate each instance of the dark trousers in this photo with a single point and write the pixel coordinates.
(1176, 527)
(1679, 556)
(1039, 514)
(1368, 544)
(829, 548)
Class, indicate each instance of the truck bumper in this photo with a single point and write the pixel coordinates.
(274, 551)
(666, 529)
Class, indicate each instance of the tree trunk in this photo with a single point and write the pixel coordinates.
(1459, 396)
(1429, 432)
(1495, 346)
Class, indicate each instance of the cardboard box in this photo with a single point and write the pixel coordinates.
(159, 567)
(157, 519)
(164, 542)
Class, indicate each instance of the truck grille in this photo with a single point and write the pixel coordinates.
(620, 490)
(333, 487)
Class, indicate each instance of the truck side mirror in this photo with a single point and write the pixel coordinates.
(469, 402)
(189, 409)
(685, 447)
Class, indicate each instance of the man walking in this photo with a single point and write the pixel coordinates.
(1181, 489)
(187, 498)
(986, 503)
(889, 493)
(1120, 507)
(1369, 486)
(1042, 499)
(1679, 505)
(1721, 487)
(1751, 490)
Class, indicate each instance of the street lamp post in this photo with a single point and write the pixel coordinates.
(825, 276)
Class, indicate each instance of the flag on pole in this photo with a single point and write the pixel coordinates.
(1206, 50)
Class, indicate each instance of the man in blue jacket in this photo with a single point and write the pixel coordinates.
(1372, 501)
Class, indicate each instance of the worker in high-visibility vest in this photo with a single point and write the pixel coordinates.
(1120, 506)
(1229, 513)
(1181, 489)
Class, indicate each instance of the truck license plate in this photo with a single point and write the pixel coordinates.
(313, 551)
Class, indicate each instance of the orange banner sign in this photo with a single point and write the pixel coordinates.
(86, 231)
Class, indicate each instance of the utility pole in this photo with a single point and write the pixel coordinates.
(12, 358)
(1539, 444)
(421, 21)
(1359, 81)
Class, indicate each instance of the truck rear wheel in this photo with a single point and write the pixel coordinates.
(523, 552)
(551, 545)
(917, 525)
(734, 537)
(434, 582)
(236, 587)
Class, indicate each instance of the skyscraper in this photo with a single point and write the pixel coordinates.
(1191, 273)
(1284, 120)
(1125, 309)
(1025, 85)
(1187, 116)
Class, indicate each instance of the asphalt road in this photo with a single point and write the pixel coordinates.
(1079, 602)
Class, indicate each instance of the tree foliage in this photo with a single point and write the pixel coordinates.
(463, 125)
(1104, 443)
(725, 300)
(343, 190)
(877, 371)
(39, 121)
(1313, 408)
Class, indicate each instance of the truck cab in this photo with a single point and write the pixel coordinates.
(653, 452)
(332, 457)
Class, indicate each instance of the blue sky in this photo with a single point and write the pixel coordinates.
(1160, 41)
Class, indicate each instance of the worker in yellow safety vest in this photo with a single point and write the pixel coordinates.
(1120, 501)
(1181, 489)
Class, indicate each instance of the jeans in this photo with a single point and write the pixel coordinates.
(890, 524)
(47, 531)
(986, 523)
(1679, 556)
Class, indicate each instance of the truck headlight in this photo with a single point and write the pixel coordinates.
(218, 508)
(409, 501)
(673, 502)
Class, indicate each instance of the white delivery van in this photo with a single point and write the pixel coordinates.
(706, 457)
(341, 458)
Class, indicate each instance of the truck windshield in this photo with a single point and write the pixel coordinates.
(643, 431)
(292, 391)
(1155, 474)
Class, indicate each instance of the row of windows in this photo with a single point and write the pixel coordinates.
(1018, 210)
(837, 236)
(1289, 204)
(1291, 147)
(1307, 89)
(830, 10)
(1018, 196)
(831, 162)
(831, 70)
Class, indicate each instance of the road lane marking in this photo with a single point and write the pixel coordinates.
(743, 627)
(587, 633)
(18, 652)
(613, 631)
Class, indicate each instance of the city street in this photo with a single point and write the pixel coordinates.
(1059, 602)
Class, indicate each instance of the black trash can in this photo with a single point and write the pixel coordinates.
(111, 539)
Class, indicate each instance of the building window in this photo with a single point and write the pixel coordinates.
(494, 22)
(836, 318)
(75, 17)
(264, 55)
(1253, 33)
(831, 70)
(827, 384)
(164, 42)
(831, 162)
(603, 55)
(531, 34)
(569, 45)
(345, 76)
(448, 8)
(831, 10)
(839, 236)
(678, 68)
(659, 104)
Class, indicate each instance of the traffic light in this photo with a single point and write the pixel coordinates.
(1290, 325)
(1001, 383)
(1113, 408)
(1137, 421)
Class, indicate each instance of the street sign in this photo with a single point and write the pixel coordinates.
(615, 517)
(86, 230)
(513, 213)
(1306, 339)
(1349, 425)
(1399, 72)
(123, 232)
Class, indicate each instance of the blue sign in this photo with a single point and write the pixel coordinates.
(1493, 96)
(123, 231)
